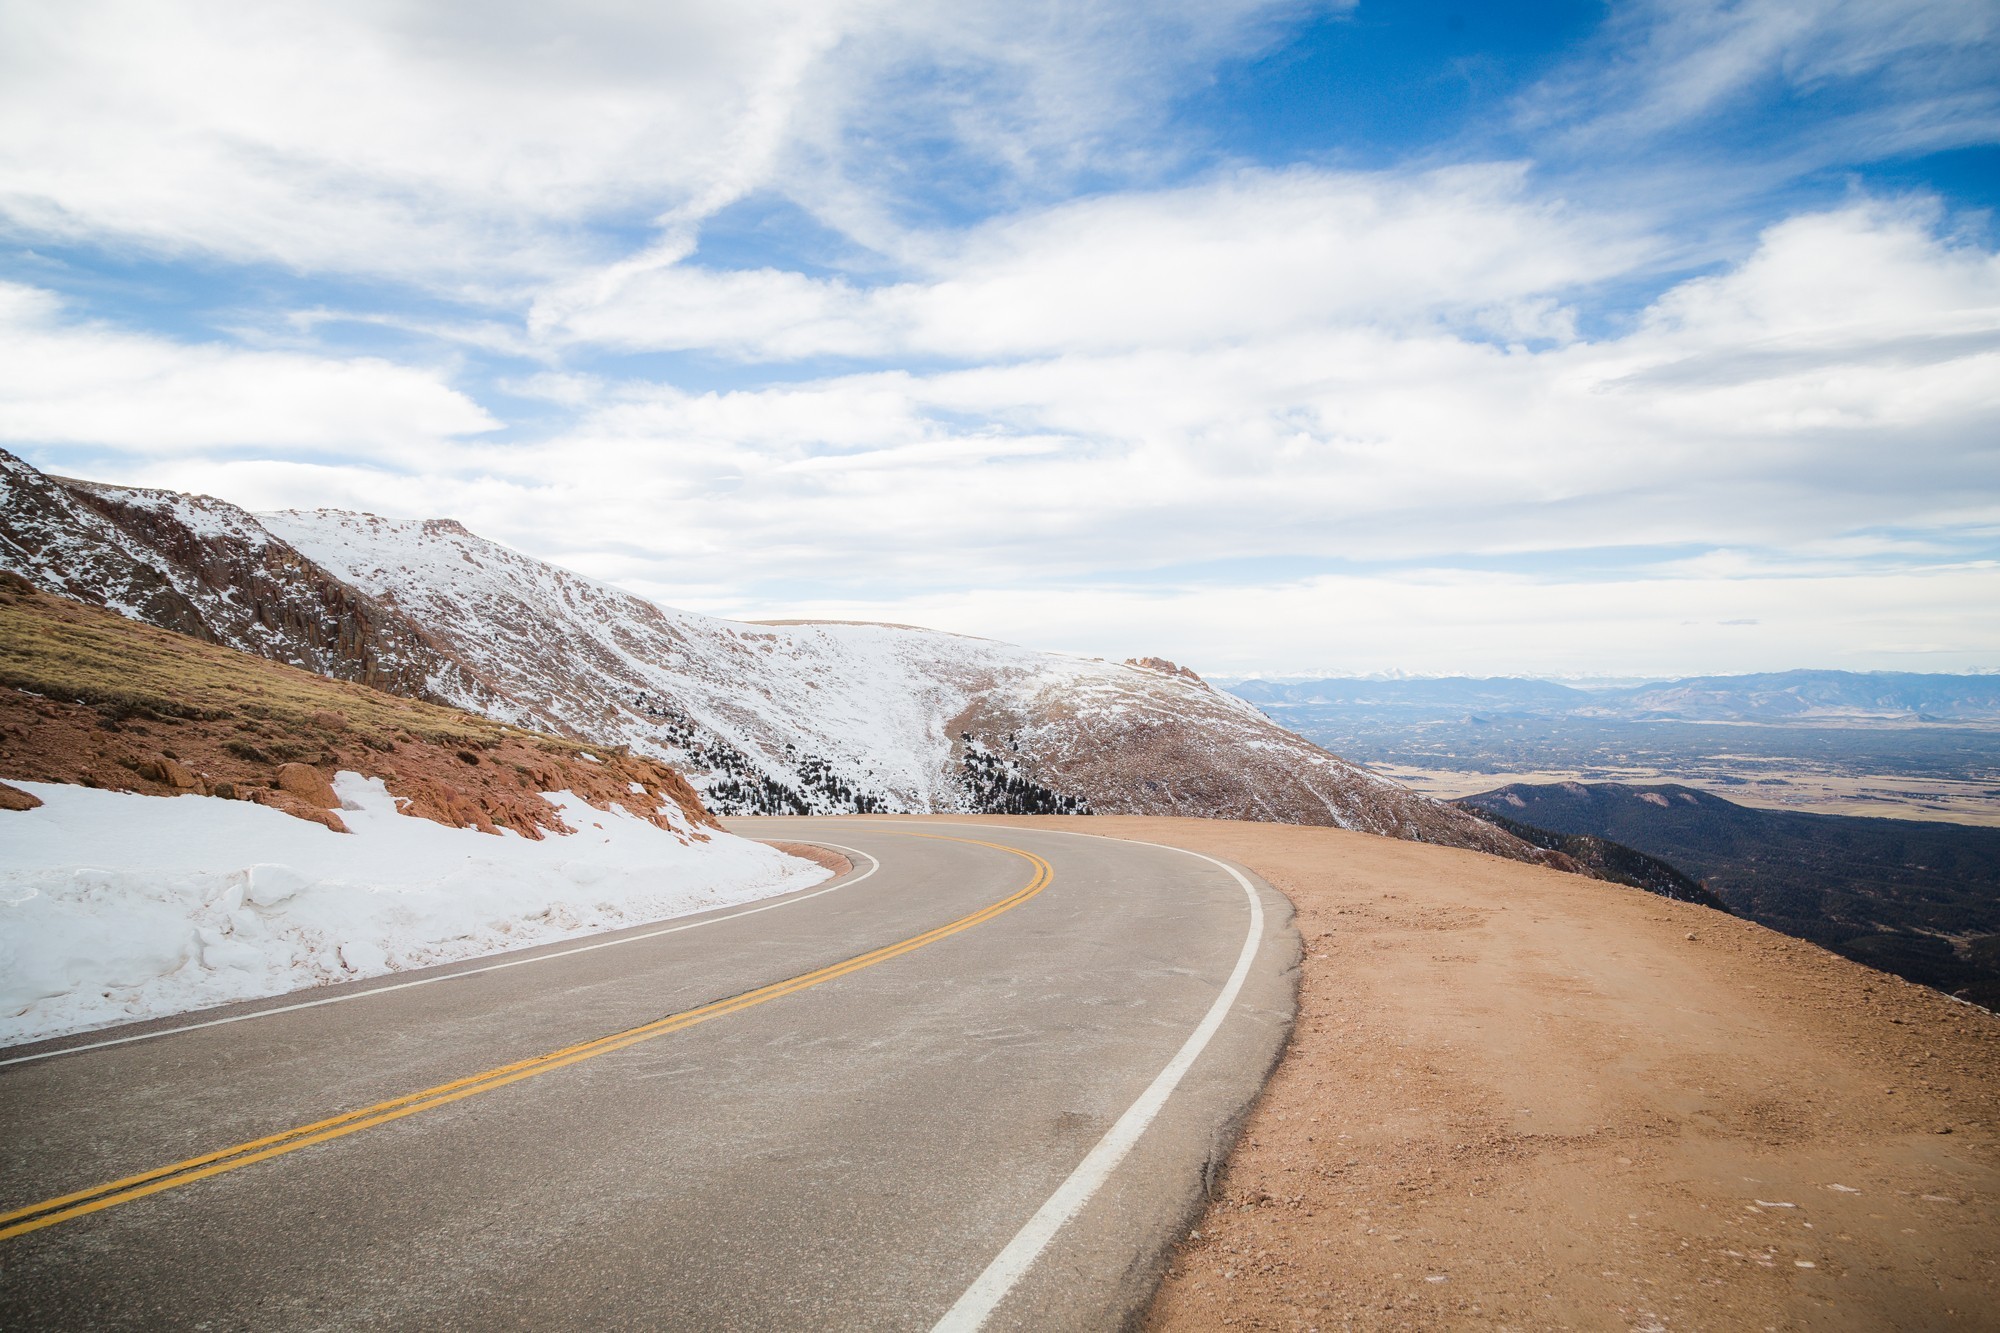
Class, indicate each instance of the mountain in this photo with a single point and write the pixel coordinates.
(825, 716)
(95, 699)
(1447, 695)
(210, 570)
(325, 830)
(1789, 697)
(782, 717)
(1917, 898)
(1814, 696)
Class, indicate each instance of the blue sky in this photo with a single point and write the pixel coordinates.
(1551, 338)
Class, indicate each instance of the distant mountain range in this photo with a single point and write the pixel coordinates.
(772, 718)
(1790, 697)
(1917, 898)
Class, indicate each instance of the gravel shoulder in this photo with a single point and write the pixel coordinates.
(1519, 1098)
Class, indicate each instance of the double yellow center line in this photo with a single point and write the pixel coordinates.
(48, 1212)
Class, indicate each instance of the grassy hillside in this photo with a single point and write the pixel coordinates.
(87, 696)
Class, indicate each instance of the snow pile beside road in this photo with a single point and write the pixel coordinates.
(115, 906)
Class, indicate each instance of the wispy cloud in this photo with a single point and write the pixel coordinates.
(1248, 254)
(1756, 411)
(64, 381)
(1895, 78)
(481, 148)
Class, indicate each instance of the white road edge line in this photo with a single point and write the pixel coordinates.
(454, 976)
(1012, 1263)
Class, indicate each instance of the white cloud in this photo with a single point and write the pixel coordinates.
(482, 147)
(1662, 64)
(1852, 343)
(1755, 619)
(412, 139)
(1874, 271)
(1250, 254)
(68, 382)
(1760, 405)
(1729, 610)
(1749, 413)
(1143, 398)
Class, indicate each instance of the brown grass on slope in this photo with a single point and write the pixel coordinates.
(89, 697)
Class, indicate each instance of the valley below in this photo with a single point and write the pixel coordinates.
(1864, 795)
(1881, 755)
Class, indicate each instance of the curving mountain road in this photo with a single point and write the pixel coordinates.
(977, 1081)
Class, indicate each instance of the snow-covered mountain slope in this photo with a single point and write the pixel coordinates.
(781, 717)
(208, 569)
(827, 717)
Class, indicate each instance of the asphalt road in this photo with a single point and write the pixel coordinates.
(942, 1086)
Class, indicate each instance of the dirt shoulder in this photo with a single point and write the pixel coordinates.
(1521, 1098)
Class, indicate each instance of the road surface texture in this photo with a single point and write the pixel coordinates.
(983, 1078)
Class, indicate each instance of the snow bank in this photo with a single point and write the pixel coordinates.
(115, 906)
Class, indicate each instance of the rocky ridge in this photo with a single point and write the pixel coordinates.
(205, 568)
(821, 717)
(808, 717)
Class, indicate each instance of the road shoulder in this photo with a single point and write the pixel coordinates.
(1520, 1097)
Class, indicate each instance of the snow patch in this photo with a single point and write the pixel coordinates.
(116, 906)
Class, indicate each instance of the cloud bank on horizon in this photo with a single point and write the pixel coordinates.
(1272, 336)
